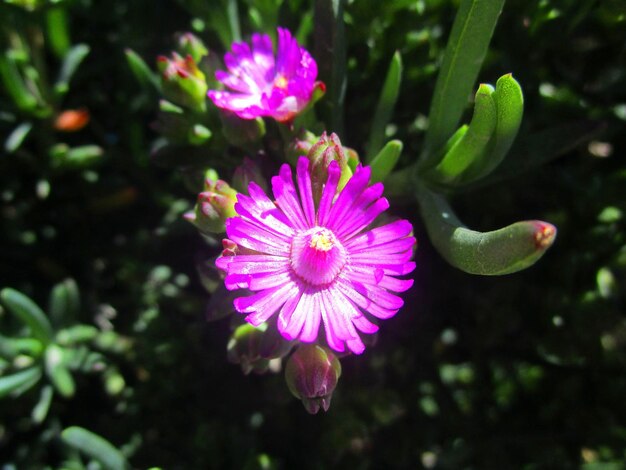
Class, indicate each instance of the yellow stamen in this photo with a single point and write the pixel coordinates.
(281, 82)
(321, 241)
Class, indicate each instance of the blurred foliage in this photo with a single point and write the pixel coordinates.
(516, 372)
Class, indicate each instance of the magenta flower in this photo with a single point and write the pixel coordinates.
(264, 86)
(317, 265)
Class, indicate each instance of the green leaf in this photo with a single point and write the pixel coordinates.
(77, 157)
(18, 383)
(474, 143)
(535, 150)
(146, 77)
(58, 35)
(27, 311)
(504, 251)
(40, 411)
(64, 303)
(16, 138)
(509, 102)
(465, 52)
(57, 371)
(232, 13)
(76, 334)
(13, 347)
(384, 109)
(330, 53)
(71, 62)
(386, 160)
(95, 447)
(14, 84)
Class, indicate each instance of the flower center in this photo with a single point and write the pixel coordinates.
(281, 82)
(317, 256)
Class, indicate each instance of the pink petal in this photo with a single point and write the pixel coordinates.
(349, 194)
(380, 235)
(287, 198)
(306, 192)
(328, 194)
(247, 235)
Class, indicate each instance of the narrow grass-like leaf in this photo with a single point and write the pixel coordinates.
(18, 383)
(504, 251)
(385, 106)
(17, 137)
(95, 447)
(463, 58)
(141, 71)
(330, 53)
(232, 14)
(71, 62)
(474, 143)
(386, 160)
(28, 311)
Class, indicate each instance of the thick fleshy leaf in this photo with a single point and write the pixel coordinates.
(385, 161)
(64, 303)
(28, 311)
(58, 372)
(504, 251)
(95, 447)
(474, 142)
(17, 137)
(71, 62)
(17, 383)
(384, 109)
(535, 150)
(509, 103)
(469, 40)
(144, 75)
(40, 411)
(57, 31)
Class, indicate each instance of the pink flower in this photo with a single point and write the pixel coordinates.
(264, 86)
(317, 265)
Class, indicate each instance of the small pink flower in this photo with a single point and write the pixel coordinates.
(317, 265)
(262, 85)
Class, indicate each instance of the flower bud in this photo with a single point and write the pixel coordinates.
(245, 173)
(321, 154)
(300, 146)
(242, 133)
(192, 45)
(243, 348)
(312, 373)
(183, 83)
(215, 204)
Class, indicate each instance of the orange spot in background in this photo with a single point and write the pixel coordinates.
(71, 120)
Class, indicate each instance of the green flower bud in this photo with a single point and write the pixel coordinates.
(243, 348)
(312, 373)
(321, 154)
(245, 173)
(242, 133)
(191, 45)
(215, 204)
(183, 82)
